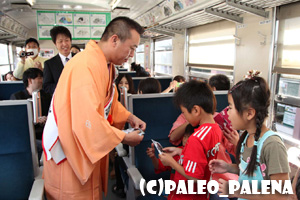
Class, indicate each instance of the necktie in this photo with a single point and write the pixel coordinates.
(67, 59)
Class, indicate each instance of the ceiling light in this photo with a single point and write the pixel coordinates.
(78, 7)
(114, 4)
(31, 2)
(66, 7)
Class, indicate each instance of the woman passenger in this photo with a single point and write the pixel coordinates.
(148, 86)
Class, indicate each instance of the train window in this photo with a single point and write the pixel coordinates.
(4, 59)
(140, 55)
(211, 50)
(212, 44)
(286, 79)
(163, 57)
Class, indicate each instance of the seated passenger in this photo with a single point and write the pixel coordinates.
(149, 86)
(9, 76)
(75, 49)
(158, 166)
(125, 80)
(140, 71)
(196, 101)
(177, 81)
(33, 80)
(31, 45)
(219, 82)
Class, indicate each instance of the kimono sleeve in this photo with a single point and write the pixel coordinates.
(93, 133)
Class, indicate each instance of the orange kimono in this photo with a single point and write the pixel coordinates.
(85, 135)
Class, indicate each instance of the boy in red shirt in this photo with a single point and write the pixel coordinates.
(197, 102)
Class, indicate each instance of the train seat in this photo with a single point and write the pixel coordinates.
(20, 174)
(131, 73)
(159, 112)
(164, 81)
(7, 88)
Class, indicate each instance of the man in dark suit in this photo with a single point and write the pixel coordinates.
(53, 67)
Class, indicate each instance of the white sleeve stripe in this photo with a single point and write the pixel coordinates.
(205, 133)
(202, 131)
(189, 170)
(194, 167)
(198, 131)
(187, 166)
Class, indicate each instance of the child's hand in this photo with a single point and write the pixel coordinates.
(173, 151)
(150, 151)
(232, 136)
(218, 166)
(223, 187)
(166, 159)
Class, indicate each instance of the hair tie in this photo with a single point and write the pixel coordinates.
(255, 143)
(235, 87)
(251, 74)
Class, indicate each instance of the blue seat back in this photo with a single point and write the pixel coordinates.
(132, 73)
(159, 113)
(222, 100)
(18, 165)
(9, 87)
(122, 70)
(164, 82)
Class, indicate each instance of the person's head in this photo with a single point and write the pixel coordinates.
(32, 45)
(248, 101)
(195, 99)
(122, 35)
(33, 79)
(189, 130)
(179, 79)
(9, 76)
(148, 86)
(62, 39)
(75, 49)
(125, 80)
(219, 82)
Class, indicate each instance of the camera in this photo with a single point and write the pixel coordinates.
(24, 53)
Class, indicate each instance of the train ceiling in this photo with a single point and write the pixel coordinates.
(161, 17)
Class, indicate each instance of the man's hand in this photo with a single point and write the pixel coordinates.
(42, 120)
(22, 58)
(133, 138)
(136, 122)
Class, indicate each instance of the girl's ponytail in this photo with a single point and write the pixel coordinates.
(253, 92)
(253, 161)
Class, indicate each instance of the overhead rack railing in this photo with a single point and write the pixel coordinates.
(11, 29)
(207, 12)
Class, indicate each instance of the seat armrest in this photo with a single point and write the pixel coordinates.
(135, 175)
(37, 190)
(120, 150)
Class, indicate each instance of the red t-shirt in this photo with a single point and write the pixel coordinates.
(201, 147)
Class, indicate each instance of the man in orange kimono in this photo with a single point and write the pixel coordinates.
(85, 117)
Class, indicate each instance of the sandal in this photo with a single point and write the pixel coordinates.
(119, 192)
